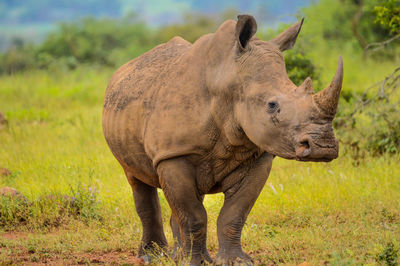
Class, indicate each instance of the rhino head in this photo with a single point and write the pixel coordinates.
(279, 117)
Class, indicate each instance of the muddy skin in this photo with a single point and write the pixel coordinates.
(209, 117)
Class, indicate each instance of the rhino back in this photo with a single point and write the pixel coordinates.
(129, 101)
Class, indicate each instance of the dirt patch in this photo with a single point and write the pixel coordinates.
(14, 235)
(113, 257)
(9, 192)
(104, 258)
(5, 172)
(3, 121)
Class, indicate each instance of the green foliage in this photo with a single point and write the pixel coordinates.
(17, 59)
(85, 203)
(113, 42)
(388, 15)
(345, 22)
(88, 41)
(377, 109)
(51, 209)
(299, 67)
(338, 260)
(388, 254)
(13, 211)
(386, 136)
(93, 41)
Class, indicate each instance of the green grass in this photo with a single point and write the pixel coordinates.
(337, 213)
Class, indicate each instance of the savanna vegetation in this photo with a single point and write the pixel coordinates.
(74, 204)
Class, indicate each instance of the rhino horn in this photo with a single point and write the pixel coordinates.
(327, 100)
(307, 86)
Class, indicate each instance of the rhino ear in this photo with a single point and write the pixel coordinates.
(286, 39)
(246, 27)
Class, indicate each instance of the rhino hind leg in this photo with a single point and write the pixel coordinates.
(177, 179)
(238, 202)
(149, 211)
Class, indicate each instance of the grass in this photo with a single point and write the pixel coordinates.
(79, 206)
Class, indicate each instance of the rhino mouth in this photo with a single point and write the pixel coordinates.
(309, 150)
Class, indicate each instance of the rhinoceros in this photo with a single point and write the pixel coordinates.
(209, 117)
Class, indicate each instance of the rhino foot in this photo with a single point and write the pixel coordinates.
(235, 259)
(206, 259)
(150, 252)
(201, 259)
(146, 259)
(151, 256)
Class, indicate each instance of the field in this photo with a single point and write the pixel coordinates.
(78, 207)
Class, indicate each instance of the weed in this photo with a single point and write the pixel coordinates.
(388, 254)
(14, 210)
(338, 260)
(85, 203)
(51, 210)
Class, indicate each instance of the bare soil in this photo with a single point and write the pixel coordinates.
(27, 257)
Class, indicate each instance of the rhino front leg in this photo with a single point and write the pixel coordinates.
(177, 235)
(177, 179)
(148, 208)
(238, 202)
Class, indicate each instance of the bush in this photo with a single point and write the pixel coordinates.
(385, 138)
(299, 67)
(84, 203)
(388, 255)
(13, 211)
(89, 41)
(379, 111)
(51, 210)
(17, 59)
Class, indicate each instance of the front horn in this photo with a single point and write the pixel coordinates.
(327, 100)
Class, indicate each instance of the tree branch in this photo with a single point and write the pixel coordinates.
(379, 45)
(354, 25)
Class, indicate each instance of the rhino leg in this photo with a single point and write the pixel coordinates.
(238, 202)
(177, 235)
(148, 208)
(177, 179)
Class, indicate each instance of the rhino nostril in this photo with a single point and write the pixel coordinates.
(303, 149)
(305, 143)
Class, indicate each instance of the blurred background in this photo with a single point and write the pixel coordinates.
(32, 20)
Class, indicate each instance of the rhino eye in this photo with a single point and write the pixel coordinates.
(272, 106)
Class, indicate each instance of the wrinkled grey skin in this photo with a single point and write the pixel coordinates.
(209, 117)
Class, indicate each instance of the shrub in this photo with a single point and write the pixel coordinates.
(14, 210)
(380, 111)
(104, 41)
(85, 204)
(51, 209)
(388, 254)
(385, 138)
(299, 67)
(17, 59)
